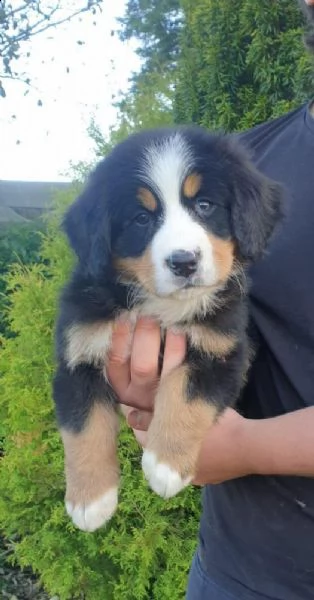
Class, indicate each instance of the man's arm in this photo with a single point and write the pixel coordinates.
(283, 445)
(235, 446)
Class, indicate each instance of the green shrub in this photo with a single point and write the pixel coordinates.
(18, 243)
(145, 551)
(241, 65)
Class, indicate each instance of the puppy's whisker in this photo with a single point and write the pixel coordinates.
(238, 276)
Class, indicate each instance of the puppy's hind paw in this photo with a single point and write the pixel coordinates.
(162, 478)
(90, 517)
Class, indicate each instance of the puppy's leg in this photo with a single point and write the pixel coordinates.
(187, 404)
(175, 435)
(89, 423)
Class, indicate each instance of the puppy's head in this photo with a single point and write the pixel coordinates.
(173, 210)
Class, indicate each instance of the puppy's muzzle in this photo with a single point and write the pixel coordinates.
(183, 263)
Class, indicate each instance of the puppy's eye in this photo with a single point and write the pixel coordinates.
(142, 219)
(204, 207)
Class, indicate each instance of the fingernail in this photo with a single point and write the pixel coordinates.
(134, 418)
(146, 322)
(122, 323)
(176, 331)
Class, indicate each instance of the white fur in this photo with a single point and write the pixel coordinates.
(92, 516)
(163, 480)
(88, 343)
(165, 167)
(180, 232)
(170, 311)
(166, 164)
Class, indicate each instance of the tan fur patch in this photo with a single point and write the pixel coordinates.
(138, 269)
(147, 199)
(211, 342)
(91, 465)
(192, 185)
(179, 425)
(88, 343)
(223, 251)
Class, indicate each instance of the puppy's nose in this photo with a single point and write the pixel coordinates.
(183, 263)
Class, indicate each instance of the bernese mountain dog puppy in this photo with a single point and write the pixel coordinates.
(166, 227)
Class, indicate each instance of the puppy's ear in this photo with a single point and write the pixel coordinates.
(87, 227)
(256, 208)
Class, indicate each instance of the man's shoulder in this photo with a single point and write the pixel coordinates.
(269, 129)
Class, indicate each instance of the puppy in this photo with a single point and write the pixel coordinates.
(166, 227)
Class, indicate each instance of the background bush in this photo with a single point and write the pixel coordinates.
(18, 243)
(241, 64)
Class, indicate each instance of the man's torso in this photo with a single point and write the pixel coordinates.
(257, 532)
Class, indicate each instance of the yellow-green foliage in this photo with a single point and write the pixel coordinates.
(19, 242)
(146, 551)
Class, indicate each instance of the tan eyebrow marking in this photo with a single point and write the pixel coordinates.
(192, 185)
(147, 199)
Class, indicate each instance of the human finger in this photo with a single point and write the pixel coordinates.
(118, 366)
(145, 353)
(174, 351)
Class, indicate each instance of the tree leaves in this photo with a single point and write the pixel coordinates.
(156, 27)
(23, 19)
(239, 68)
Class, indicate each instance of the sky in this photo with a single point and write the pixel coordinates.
(38, 143)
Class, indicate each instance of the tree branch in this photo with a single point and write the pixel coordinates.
(32, 30)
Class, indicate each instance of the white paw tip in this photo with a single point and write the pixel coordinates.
(89, 517)
(164, 480)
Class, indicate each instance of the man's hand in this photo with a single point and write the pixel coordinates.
(223, 454)
(133, 372)
(133, 368)
(235, 446)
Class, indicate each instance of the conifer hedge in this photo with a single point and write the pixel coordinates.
(18, 243)
(241, 63)
(145, 552)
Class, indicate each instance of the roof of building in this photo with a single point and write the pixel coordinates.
(29, 194)
(24, 200)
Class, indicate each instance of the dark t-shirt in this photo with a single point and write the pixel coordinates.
(257, 533)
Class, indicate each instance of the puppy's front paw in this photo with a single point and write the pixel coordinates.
(91, 515)
(163, 479)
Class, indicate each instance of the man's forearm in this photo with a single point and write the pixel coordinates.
(282, 445)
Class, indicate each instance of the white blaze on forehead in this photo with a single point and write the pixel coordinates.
(166, 164)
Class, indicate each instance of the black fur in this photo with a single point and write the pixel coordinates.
(257, 203)
(77, 392)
